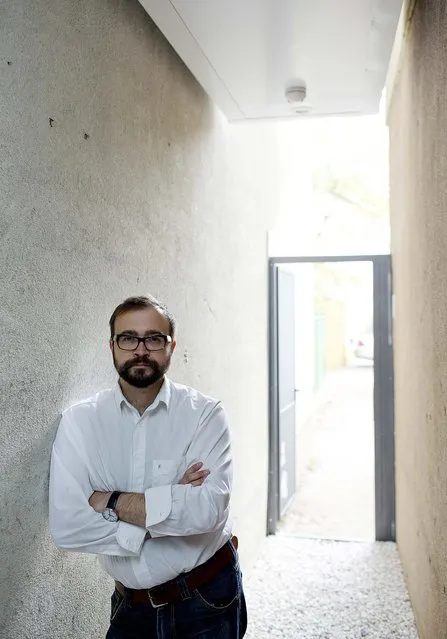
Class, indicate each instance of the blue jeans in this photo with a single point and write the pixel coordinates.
(216, 610)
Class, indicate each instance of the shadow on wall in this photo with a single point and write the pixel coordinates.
(60, 247)
(135, 135)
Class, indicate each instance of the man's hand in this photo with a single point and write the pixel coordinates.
(194, 475)
(98, 501)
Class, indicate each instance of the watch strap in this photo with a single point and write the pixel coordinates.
(113, 499)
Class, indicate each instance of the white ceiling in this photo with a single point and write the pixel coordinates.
(246, 53)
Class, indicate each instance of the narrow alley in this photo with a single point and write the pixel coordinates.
(335, 460)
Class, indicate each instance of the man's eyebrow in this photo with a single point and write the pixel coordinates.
(145, 334)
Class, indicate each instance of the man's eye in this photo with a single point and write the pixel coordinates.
(127, 339)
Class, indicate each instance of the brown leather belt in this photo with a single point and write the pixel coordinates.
(170, 592)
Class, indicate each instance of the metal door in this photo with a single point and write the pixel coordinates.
(282, 395)
(286, 380)
(384, 401)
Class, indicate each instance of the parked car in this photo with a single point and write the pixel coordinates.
(364, 346)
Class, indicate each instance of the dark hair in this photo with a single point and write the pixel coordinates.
(134, 303)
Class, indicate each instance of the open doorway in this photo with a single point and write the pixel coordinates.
(331, 398)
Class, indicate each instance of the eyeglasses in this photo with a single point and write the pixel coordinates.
(156, 342)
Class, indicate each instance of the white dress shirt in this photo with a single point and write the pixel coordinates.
(104, 444)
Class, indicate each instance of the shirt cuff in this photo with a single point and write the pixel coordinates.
(158, 505)
(130, 537)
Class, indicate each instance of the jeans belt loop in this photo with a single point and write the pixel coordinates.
(183, 587)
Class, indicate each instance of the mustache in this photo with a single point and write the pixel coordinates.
(139, 360)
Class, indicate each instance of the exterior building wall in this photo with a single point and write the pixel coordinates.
(418, 147)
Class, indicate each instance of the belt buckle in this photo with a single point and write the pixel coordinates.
(153, 604)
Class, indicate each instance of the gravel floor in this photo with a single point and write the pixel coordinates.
(313, 589)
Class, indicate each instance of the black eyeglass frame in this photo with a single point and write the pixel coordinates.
(167, 340)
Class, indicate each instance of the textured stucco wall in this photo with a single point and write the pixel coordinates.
(136, 184)
(418, 129)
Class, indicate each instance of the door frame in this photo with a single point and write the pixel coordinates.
(384, 440)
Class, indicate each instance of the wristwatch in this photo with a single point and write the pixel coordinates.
(109, 513)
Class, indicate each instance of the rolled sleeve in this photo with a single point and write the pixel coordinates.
(158, 501)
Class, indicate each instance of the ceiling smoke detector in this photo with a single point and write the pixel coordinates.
(296, 95)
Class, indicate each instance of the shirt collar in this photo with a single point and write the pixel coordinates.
(163, 397)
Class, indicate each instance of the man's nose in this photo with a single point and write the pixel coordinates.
(141, 349)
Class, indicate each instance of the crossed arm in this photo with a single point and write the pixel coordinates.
(131, 507)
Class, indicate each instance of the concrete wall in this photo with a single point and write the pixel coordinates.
(418, 127)
(118, 176)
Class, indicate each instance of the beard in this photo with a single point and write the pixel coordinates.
(141, 377)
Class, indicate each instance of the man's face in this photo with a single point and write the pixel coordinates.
(141, 368)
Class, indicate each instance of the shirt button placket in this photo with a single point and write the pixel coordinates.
(139, 456)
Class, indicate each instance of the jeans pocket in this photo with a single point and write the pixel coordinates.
(220, 593)
(116, 605)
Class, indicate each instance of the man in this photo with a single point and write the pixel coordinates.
(141, 476)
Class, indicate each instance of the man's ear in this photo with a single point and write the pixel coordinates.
(111, 344)
(173, 345)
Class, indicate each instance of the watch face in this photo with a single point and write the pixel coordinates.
(110, 515)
